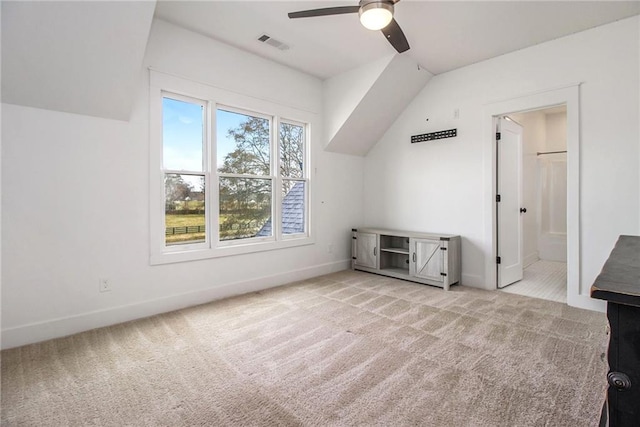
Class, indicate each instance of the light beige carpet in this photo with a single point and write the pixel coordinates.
(349, 348)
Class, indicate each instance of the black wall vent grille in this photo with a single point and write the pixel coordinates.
(450, 133)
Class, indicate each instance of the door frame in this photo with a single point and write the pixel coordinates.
(569, 95)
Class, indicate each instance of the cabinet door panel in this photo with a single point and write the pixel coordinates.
(366, 250)
(427, 259)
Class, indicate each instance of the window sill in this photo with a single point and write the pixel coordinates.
(239, 249)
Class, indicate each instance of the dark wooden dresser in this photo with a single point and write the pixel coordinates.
(619, 285)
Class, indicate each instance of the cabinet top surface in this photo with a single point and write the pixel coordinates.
(402, 233)
(619, 280)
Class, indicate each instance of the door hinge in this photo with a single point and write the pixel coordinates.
(443, 248)
(353, 257)
(354, 238)
(498, 260)
(498, 136)
(497, 200)
(443, 274)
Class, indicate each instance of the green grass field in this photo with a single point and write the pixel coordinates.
(184, 220)
(172, 220)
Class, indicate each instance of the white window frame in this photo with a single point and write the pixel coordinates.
(212, 98)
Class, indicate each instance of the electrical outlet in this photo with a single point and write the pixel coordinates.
(104, 285)
(330, 248)
(456, 113)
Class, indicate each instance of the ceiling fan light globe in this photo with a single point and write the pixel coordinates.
(376, 15)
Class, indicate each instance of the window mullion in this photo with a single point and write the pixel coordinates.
(247, 176)
(209, 164)
(183, 172)
(277, 208)
(277, 181)
(214, 211)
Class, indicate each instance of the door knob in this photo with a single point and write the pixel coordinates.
(523, 210)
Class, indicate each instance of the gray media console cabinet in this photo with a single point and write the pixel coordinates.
(432, 259)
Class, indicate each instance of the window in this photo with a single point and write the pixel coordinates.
(234, 180)
(245, 173)
(183, 154)
(292, 171)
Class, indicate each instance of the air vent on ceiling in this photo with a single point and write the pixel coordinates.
(273, 42)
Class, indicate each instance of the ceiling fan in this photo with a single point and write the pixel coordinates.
(374, 15)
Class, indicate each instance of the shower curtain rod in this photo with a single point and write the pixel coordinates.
(551, 152)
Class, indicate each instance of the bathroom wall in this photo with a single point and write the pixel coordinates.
(544, 179)
(552, 190)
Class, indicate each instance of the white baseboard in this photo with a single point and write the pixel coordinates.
(587, 303)
(530, 259)
(55, 328)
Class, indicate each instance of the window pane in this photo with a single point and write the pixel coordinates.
(182, 135)
(293, 202)
(245, 208)
(291, 150)
(242, 143)
(184, 209)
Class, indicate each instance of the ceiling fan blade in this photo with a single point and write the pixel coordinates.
(396, 37)
(324, 12)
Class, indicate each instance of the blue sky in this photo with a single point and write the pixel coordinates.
(183, 134)
(226, 120)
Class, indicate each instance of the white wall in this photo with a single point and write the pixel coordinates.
(555, 132)
(553, 171)
(439, 186)
(76, 206)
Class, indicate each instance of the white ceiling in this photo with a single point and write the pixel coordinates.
(443, 35)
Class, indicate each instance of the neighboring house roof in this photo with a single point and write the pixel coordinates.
(292, 213)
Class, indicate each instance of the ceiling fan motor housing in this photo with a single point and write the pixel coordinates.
(375, 15)
(368, 2)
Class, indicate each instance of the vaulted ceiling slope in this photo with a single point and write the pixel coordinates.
(361, 104)
(74, 56)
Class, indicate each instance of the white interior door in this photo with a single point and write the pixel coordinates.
(509, 190)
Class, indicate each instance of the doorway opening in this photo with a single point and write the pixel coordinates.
(542, 212)
(569, 95)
